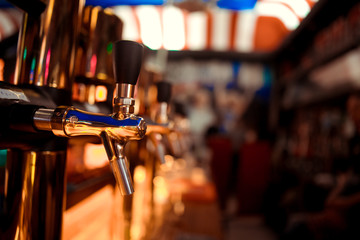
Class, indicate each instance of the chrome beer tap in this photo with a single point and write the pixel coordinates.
(116, 129)
(160, 126)
(161, 129)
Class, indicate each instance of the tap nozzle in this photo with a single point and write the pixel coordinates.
(120, 166)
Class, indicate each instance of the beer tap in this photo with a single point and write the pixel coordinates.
(163, 130)
(160, 126)
(116, 129)
(163, 98)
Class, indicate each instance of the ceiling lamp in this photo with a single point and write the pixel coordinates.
(110, 3)
(227, 4)
(236, 4)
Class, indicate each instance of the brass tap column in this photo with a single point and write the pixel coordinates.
(35, 188)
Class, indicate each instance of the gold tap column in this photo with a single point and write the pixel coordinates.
(35, 175)
(46, 47)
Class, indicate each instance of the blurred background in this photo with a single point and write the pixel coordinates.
(266, 107)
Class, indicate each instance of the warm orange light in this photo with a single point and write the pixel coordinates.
(161, 193)
(179, 208)
(91, 94)
(100, 93)
(140, 211)
(198, 176)
(139, 174)
(169, 158)
(159, 181)
(95, 156)
(180, 164)
(2, 65)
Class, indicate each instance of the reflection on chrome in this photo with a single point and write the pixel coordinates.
(114, 133)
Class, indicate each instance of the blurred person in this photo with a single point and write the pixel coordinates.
(201, 117)
(252, 171)
(221, 152)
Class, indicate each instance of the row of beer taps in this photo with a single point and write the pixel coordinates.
(41, 109)
(122, 125)
(116, 129)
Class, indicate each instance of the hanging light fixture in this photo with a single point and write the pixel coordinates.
(237, 4)
(228, 4)
(109, 3)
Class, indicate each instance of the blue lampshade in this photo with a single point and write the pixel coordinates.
(236, 4)
(228, 4)
(108, 3)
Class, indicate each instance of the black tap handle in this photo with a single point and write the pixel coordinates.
(163, 91)
(127, 59)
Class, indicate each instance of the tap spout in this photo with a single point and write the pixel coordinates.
(118, 162)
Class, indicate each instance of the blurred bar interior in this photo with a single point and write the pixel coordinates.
(252, 111)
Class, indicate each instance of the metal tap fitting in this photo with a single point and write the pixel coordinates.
(114, 133)
(124, 102)
(115, 130)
